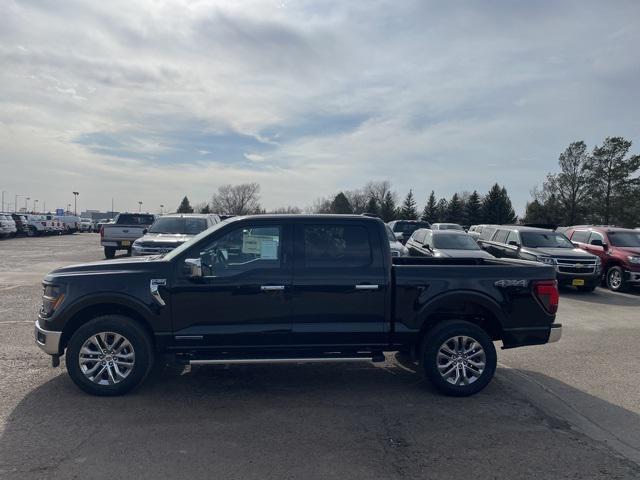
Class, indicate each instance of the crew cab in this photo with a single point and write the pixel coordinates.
(293, 288)
(573, 266)
(618, 250)
(125, 229)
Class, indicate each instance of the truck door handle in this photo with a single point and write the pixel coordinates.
(366, 287)
(271, 288)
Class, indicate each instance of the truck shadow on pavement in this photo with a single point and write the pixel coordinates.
(296, 421)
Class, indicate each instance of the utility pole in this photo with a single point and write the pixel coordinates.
(161, 207)
(44, 206)
(26, 203)
(3, 192)
(75, 203)
(139, 206)
(35, 206)
(112, 206)
(68, 208)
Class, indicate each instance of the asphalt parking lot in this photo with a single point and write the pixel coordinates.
(564, 410)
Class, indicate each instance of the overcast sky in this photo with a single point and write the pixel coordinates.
(151, 100)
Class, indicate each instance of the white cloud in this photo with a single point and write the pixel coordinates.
(151, 100)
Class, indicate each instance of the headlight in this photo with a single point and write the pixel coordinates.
(136, 246)
(51, 298)
(598, 265)
(547, 260)
(633, 259)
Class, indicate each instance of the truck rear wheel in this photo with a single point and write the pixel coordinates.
(109, 252)
(458, 358)
(109, 355)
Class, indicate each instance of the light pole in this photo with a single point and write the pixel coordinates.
(3, 192)
(26, 200)
(35, 206)
(161, 207)
(68, 208)
(139, 206)
(75, 203)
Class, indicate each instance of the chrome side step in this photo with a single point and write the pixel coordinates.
(224, 361)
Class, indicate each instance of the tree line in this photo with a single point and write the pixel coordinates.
(599, 187)
(375, 198)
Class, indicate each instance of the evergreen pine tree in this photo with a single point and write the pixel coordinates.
(372, 207)
(341, 204)
(429, 212)
(408, 210)
(441, 211)
(497, 208)
(388, 208)
(185, 206)
(455, 210)
(473, 210)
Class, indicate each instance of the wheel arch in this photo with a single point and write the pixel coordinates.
(471, 306)
(97, 307)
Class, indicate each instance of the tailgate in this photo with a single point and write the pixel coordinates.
(122, 232)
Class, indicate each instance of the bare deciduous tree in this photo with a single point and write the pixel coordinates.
(243, 199)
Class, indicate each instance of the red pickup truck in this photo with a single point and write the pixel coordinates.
(618, 249)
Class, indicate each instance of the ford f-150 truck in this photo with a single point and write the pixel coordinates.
(293, 288)
(121, 234)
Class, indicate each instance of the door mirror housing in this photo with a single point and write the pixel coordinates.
(597, 243)
(605, 247)
(145, 231)
(513, 243)
(398, 235)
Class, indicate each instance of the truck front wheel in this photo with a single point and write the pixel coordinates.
(458, 358)
(109, 355)
(109, 252)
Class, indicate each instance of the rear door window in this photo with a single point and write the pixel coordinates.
(336, 246)
(501, 236)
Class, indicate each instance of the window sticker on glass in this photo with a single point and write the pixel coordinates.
(269, 249)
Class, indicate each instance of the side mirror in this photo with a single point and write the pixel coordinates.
(513, 243)
(427, 246)
(576, 244)
(193, 268)
(145, 231)
(605, 247)
(398, 235)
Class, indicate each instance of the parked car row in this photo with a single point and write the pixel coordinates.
(31, 225)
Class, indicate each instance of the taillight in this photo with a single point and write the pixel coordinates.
(547, 293)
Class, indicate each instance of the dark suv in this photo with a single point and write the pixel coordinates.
(403, 229)
(617, 248)
(573, 266)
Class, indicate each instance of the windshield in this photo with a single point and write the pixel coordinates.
(186, 245)
(450, 226)
(454, 242)
(184, 225)
(624, 239)
(392, 238)
(545, 240)
(409, 227)
(134, 219)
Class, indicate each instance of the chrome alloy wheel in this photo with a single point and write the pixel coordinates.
(106, 358)
(615, 278)
(461, 360)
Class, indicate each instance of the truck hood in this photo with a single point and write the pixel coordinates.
(120, 265)
(446, 252)
(164, 238)
(559, 252)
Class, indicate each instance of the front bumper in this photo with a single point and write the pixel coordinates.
(592, 279)
(47, 340)
(632, 277)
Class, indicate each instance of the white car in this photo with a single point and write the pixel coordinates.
(446, 226)
(86, 224)
(7, 225)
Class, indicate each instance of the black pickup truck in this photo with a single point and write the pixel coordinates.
(293, 288)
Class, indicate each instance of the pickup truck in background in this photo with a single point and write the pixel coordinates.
(125, 229)
(293, 288)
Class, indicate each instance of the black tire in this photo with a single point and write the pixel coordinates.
(612, 283)
(31, 231)
(109, 252)
(437, 337)
(128, 328)
(586, 288)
